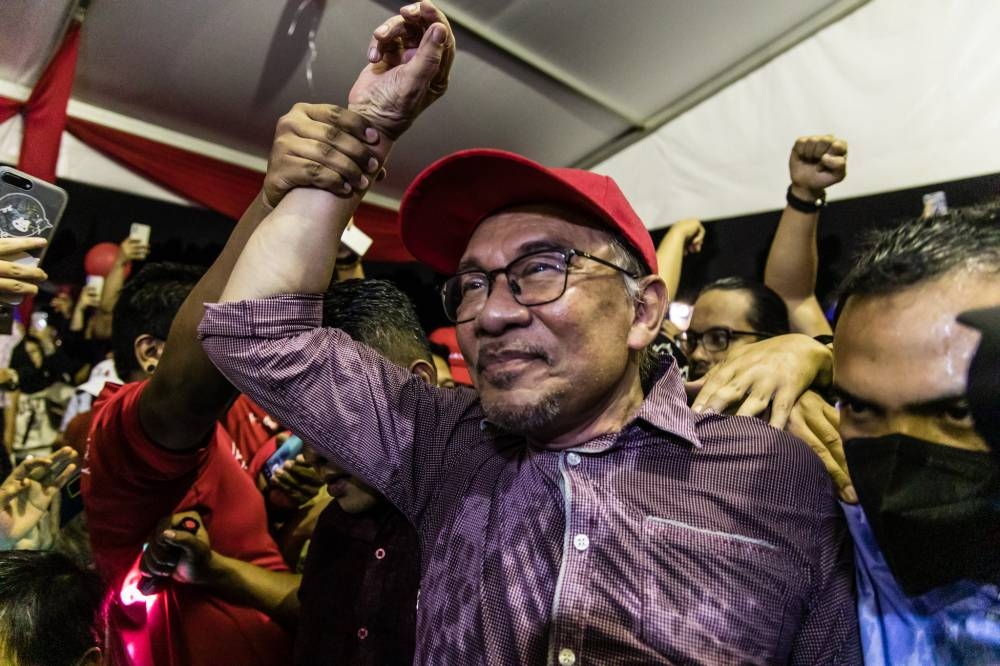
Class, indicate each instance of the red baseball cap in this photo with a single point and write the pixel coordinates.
(447, 201)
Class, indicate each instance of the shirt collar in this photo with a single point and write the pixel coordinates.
(665, 406)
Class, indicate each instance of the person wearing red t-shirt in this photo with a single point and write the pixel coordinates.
(157, 454)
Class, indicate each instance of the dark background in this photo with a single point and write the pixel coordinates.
(733, 246)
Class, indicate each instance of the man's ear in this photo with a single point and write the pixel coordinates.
(425, 370)
(650, 309)
(91, 657)
(147, 352)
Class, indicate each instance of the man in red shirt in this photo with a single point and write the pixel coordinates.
(156, 449)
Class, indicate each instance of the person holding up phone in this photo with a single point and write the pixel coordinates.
(131, 249)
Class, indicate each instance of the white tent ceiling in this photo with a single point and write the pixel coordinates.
(913, 85)
(690, 105)
(566, 82)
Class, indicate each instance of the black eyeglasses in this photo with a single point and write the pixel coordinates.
(535, 278)
(715, 339)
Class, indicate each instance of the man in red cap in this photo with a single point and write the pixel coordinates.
(574, 510)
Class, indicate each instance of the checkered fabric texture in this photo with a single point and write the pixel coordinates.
(713, 540)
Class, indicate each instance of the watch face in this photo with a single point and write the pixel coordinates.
(22, 216)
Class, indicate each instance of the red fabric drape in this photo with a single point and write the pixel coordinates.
(218, 185)
(9, 108)
(45, 110)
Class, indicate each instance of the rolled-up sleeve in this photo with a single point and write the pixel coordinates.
(377, 420)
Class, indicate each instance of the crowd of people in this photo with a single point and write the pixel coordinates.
(273, 466)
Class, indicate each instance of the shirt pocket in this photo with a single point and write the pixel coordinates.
(712, 597)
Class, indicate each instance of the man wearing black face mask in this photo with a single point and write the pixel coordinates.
(928, 529)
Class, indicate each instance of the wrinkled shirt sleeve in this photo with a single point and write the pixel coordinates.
(375, 419)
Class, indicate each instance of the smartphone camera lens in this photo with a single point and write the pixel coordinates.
(17, 181)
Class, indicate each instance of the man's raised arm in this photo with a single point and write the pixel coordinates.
(187, 394)
(815, 163)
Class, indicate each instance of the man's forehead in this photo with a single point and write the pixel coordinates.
(722, 307)
(517, 228)
(908, 347)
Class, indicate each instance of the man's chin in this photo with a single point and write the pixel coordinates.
(520, 410)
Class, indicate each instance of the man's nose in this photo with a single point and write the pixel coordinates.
(501, 309)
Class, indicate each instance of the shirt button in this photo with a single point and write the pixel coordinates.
(567, 657)
(573, 458)
(581, 542)
(380, 554)
(362, 633)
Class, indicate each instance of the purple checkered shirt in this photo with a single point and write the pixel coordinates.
(712, 540)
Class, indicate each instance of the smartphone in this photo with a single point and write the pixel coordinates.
(287, 451)
(39, 320)
(95, 282)
(71, 500)
(140, 232)
(29, 208)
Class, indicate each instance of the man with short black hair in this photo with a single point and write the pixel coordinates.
(51, 611)
(359, 588)
(565, 515)
(729, 313)
(927, 483)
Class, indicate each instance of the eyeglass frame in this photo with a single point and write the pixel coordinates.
(730, 333)
(491, 276)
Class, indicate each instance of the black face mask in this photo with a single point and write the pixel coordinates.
(934, 509)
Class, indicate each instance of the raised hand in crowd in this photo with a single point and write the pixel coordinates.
(26, 497)
(90, 299)
(773, 379)
(815, 164)
(320, 146)
(409, 62)
(129, 250)
(17, 280)
(133, 249)
(683, 238)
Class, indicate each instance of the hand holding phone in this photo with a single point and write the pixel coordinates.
(30, 210)
(160, 558)
(136, 246)
(19, 274)
(94, 289)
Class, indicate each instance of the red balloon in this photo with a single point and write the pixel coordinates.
(100, 259)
